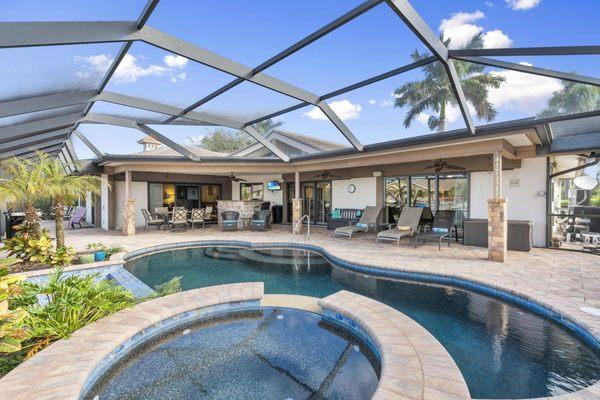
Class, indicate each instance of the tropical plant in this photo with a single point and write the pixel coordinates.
(113, 250)
(573, 98)
(61, 256)
(267, 126)
(96, 247)
(12, 329)
(170, 287)
(24, 182)
(38, 249)
(434, 92)
(64, 188)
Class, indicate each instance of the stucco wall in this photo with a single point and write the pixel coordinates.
(524, 202)
(275, 197)
(365, 194)
(139, 191)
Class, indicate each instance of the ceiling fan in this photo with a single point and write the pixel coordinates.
(327, 175)
(440, 165)
(236, 179)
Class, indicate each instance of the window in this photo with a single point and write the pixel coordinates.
(453, 192)
(396, 196)
(422, 191)
(251, 191)
(210, 195)
(161, 195)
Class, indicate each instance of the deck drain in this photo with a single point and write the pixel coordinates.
(280, 317)
(186, 331)
(591, 310)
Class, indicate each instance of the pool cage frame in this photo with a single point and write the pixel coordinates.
(53, 135)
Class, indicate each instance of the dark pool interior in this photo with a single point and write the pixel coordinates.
(502, 350)
(275, 353)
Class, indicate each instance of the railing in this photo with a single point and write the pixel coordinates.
(299, 222)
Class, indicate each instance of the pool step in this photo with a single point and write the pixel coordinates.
(222, 253)
(296, 258)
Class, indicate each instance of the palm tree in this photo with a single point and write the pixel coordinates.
(63, 189)
(573, 98)
(24, 183)
(267, 125)
(434, 92)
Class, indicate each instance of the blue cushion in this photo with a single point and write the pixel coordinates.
(362, 225)
(336, 214)
(230, 221)
(439, 230)
(359, 213)
(258, 221)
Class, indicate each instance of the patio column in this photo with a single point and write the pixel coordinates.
(89, 218)
(497, 215)
(296, 204)
(128, 208)
(104, 202)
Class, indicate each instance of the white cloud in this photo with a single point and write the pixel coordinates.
(460, 28)
(93, 66)
(523, 92)
(343, 108)
(130, 71)
(387, 103)
(488, 4)
(179, 77)
(175, 61)
(372, 101)
(522, 5)
(452, 115)
(496, 39)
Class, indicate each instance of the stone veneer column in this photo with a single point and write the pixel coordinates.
(128, 217)
(497, 229)
(128, 208)
(296, 215)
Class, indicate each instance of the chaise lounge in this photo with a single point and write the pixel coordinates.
(367, 220)
(407, 225)
(441, 228)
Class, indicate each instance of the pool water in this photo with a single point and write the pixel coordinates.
(275, 353)
(502, 350)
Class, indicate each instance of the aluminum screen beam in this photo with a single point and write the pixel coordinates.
(89, 144)
(70, 150)
(38, 139)
(27, 34)
(47, 102)
(262, 140)
(154, 106)
(28, 129)
(338, 22)
(413, 20)
(527, 51)
(565, 76)
(50, 146)
(168, 142)
(337, 121)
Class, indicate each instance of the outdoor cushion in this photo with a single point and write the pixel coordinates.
(336, 214)
(439, 230)
(403, 228)
(230, 221)
(359, 213)
(359, 225)
(258, 221)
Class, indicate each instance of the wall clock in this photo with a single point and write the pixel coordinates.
(351, 188)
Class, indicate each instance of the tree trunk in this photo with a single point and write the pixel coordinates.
(59, 224)
(32, 220)
(443, 123)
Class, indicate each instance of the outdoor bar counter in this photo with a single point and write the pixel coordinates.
(245, 208)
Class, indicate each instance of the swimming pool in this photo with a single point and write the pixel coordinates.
(274, 353)
(502, 350)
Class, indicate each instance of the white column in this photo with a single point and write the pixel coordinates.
(104, 202)
(297, 185)
(89, 218)
(497, 175)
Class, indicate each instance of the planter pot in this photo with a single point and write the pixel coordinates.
(86, 258)
(100, 255)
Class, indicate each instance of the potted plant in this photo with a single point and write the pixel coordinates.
(99, 251)
(85, 257)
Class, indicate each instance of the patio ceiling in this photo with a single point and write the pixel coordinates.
(66, 111)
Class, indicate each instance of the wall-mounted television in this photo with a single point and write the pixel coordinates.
(273, 185)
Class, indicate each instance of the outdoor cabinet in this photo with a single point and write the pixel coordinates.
(520, 234)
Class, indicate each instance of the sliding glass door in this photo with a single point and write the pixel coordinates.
(316, 200)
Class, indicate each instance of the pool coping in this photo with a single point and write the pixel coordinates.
(539, 307)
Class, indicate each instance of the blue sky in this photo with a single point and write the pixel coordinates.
(251, 32)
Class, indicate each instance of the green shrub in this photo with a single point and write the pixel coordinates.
(12, 329)
(27, 247)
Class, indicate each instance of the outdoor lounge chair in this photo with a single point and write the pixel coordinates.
(197, 217)
(441, 228)
(367, 220)
(407, 225)
(77, 218)
(261, 221)
(179, 220)
(150, 220)
(229, 220)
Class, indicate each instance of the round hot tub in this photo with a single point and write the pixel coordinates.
(274, 353)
